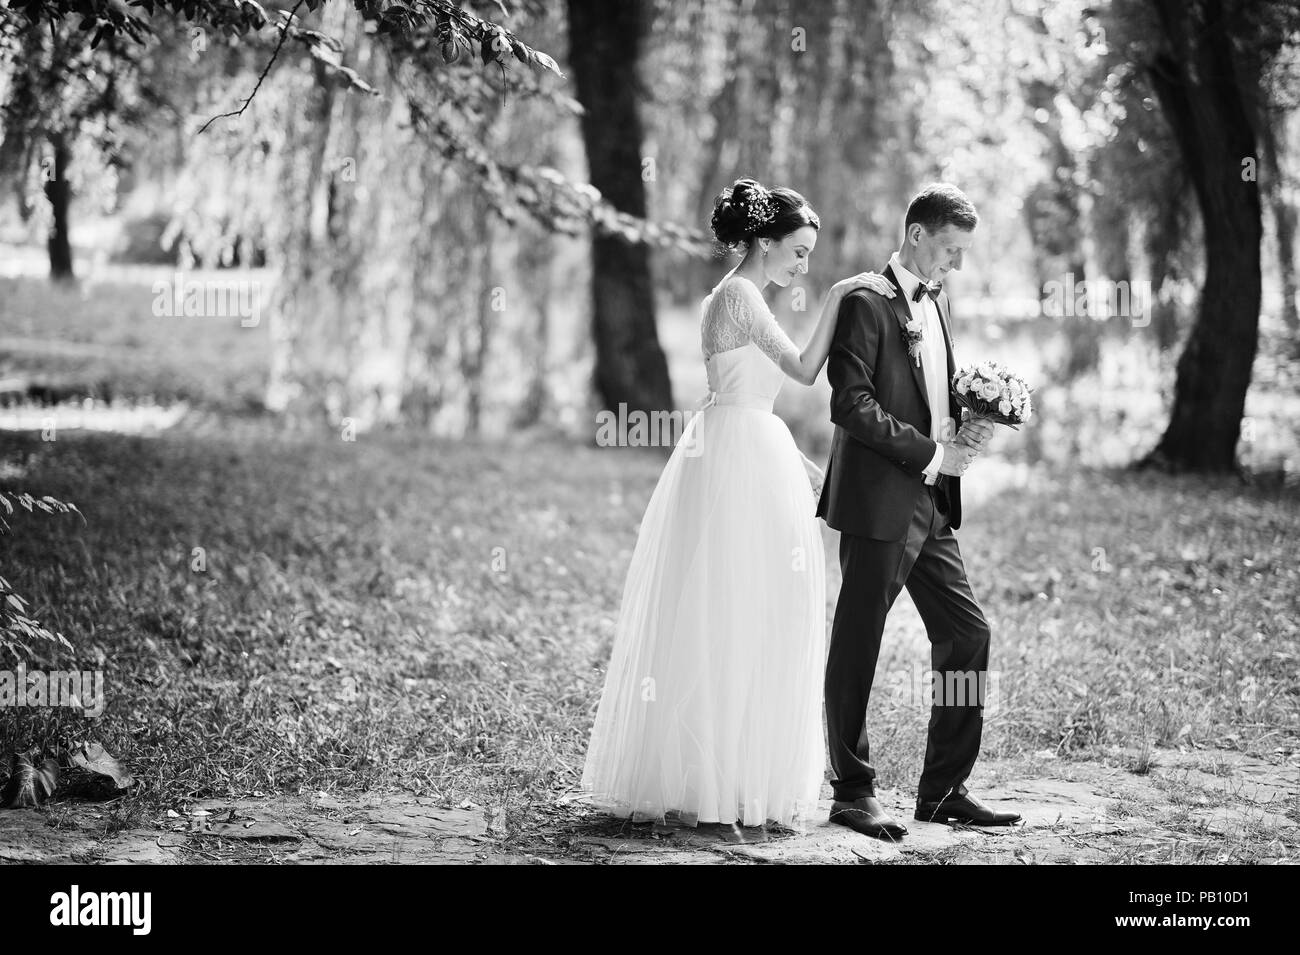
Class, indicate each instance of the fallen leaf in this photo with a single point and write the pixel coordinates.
(93, 757)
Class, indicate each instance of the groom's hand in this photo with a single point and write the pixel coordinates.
(956, 459)
(975, 434)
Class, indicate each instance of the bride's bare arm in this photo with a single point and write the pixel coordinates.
(805, 366)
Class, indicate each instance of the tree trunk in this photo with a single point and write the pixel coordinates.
(1284, 215)
(1206, 97)
(533, 258)
(1277, 189)
(59, 193)
(1057, 215)
(1163, 235)
(476, 335)
(604, 41)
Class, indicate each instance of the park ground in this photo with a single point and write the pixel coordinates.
(390, 649)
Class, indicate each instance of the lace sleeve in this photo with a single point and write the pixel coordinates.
(748, 310)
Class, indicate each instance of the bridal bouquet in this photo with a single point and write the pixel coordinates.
(990, 390)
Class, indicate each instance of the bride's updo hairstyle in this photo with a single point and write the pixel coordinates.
(746, 210)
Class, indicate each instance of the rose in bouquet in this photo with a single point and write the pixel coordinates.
(991, 390)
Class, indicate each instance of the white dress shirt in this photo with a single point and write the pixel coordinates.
(934, 363)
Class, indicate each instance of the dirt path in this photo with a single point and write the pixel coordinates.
(1195, 806)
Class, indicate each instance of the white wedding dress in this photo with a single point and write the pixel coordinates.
(711, 710)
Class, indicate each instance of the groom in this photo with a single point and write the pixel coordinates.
(893, 491)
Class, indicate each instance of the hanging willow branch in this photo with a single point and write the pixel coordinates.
(548, 196)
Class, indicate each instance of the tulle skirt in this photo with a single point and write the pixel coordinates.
(711, 709)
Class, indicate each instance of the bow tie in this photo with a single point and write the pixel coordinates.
(931, 289)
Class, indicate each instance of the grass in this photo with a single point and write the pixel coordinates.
(103, 340)
(403, 614)
(355, 627)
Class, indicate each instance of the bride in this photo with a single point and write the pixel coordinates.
(711, 709)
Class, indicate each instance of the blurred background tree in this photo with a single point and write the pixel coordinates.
(1212, 66)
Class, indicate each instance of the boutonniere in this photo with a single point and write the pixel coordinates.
(913, 333)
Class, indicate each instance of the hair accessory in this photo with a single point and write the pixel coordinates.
(759, 209)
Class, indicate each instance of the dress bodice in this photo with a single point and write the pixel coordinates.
(744, 371)
(742, 346)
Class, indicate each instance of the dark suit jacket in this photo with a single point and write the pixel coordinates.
(882, 420)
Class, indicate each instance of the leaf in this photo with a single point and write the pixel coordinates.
(47, 777)
(29, 784)
(543, 61)
(93, 757)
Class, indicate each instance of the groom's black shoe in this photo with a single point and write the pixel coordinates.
(965, 809)
(867, 816)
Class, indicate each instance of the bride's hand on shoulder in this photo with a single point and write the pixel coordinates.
(868, 280)
(816, 476)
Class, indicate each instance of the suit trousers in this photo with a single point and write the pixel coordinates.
(928, 563)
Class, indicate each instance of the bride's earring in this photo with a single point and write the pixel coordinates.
(763, 246)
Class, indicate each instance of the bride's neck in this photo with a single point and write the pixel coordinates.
(751, 267)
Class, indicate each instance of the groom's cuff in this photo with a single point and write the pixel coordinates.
(931, 471)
